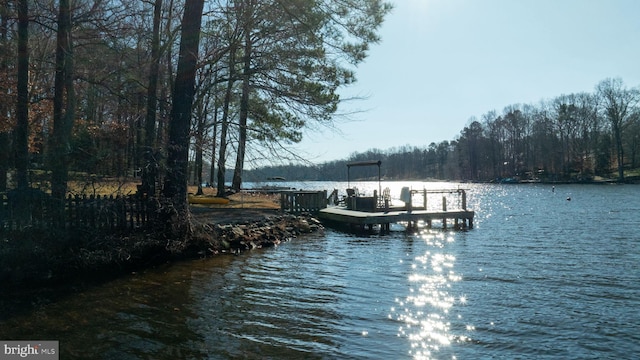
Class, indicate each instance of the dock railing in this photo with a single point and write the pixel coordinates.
(455, 197)
(297, 202)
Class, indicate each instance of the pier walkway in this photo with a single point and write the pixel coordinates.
(461, 218)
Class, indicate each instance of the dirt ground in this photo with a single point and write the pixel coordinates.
(243, 200)
(242, 207)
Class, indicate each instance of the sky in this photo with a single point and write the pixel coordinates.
(441, 62)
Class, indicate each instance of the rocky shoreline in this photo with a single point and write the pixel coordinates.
(248, 234)
(36, 268)
(32, 260)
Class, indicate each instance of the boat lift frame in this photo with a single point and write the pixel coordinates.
(365, 163)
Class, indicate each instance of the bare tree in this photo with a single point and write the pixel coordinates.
(619, 105)
(247, 9)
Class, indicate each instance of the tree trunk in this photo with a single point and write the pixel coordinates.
(213, 138)
(149, 169)
(175, 186)
(244, 113)
(21, 143)
(62, 120)
(617, 132)
(4, 106)
(225, 124)
(199, 144)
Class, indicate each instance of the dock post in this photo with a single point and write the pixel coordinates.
(444, 209)
(424, 197)
(464, 199)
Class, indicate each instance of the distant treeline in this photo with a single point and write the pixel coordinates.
(575, 137)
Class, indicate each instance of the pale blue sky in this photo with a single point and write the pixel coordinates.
(441, 62)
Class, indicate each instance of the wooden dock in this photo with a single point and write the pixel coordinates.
(462, 219)
(356, 210)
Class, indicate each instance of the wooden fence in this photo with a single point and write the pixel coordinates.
(39, 211)
(297, 202)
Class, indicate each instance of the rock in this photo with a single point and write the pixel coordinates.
(238, 232)
(263, 232)
(303, 226)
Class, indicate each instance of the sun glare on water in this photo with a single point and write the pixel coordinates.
(424, 313)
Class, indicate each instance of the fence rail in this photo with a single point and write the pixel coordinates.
(34, 209)
(297, 202)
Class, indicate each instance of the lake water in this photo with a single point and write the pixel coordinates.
(539, 277)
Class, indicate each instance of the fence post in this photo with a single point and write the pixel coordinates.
(135, 211)
(3, 211)
(99, 211)
(112, 212)
(69, 211)
(91, 210)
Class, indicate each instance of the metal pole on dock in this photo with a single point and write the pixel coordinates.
(444, 208)
(464, 200)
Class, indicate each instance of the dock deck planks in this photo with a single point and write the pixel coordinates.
(343, 215)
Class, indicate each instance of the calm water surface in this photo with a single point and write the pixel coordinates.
(539, 277)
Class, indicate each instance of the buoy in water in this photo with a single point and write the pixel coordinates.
(569, 198)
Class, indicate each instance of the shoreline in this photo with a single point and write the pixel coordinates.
(31, 276)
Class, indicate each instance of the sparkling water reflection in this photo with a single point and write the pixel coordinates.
(425, 311)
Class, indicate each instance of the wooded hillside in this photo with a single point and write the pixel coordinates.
(574, 137)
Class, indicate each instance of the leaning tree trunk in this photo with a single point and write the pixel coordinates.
(175, 185)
